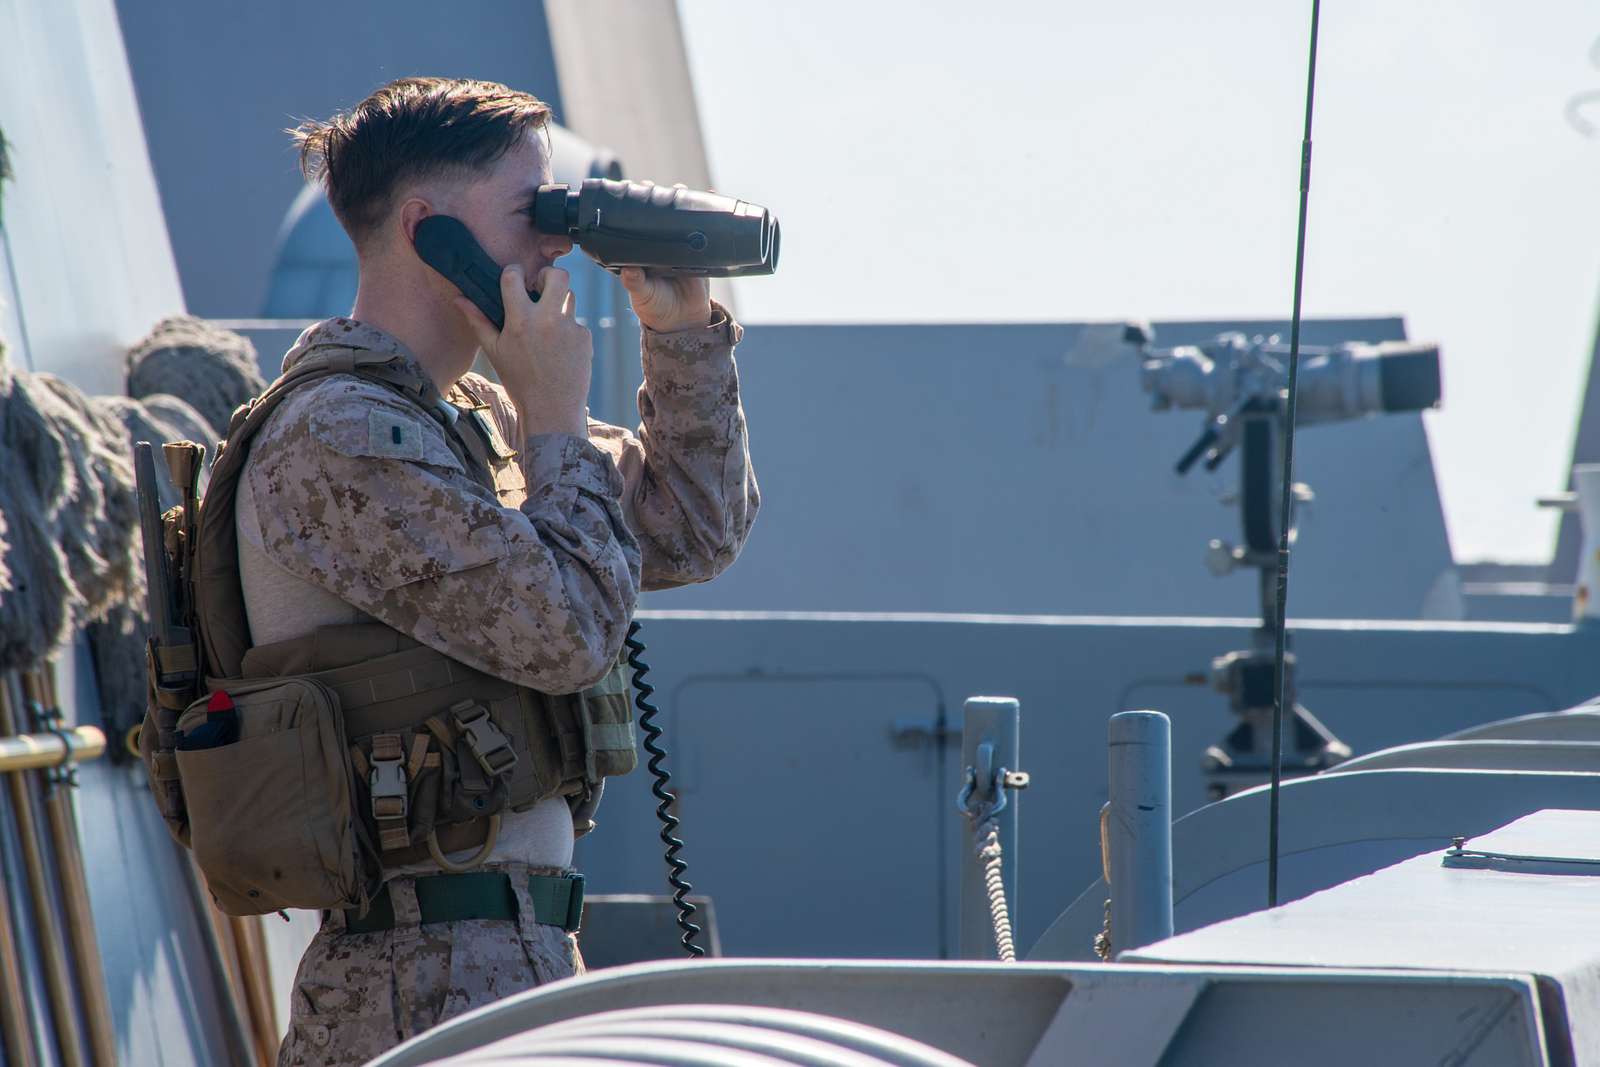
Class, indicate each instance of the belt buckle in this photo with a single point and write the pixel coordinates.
(574, 904)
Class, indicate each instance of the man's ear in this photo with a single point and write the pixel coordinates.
(412, 212)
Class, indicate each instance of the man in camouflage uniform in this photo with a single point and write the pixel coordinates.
(354, 508)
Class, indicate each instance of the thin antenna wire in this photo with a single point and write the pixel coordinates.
(1286, 510)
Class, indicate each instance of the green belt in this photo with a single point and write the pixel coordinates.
(557, 901)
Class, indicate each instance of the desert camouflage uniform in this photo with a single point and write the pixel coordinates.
(357, 492)
(356, 996)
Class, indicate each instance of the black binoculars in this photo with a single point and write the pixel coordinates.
(669, 229)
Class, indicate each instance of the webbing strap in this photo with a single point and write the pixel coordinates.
(174, 698)
(389, 796)
(611, 735)
(557, 901)
(219, 608)
(419, 754)
(407, 680)
(176, 659)
(612, 684)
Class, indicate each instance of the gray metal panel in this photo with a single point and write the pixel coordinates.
(1272, 1023)
(1335, 827)
(218, 83)
(1575, 724)
(1483, 755)
(1421, 912)
(621, 928)
(87, 268)
(809, 747)
(1375, 685)
(978, 468)
(1517, 602)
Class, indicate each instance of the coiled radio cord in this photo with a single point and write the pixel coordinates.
(661, 789)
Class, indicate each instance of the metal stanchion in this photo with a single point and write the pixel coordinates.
(252, 942)
(15, 1025)
(1139, 828)
(990, 738)
(52, 946)
(39, 687)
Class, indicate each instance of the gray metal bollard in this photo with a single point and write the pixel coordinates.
(1140, 828)
(990, 738)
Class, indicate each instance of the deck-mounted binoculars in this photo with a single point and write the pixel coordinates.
(1233, 375)
(1241, 384)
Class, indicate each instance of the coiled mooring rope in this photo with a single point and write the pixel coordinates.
(213, 369)
(70, 552)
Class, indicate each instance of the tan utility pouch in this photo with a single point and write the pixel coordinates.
(270, 814)
(596, 728)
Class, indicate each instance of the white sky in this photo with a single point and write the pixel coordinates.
(947, 161)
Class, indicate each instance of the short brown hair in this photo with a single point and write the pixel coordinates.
(410, 128)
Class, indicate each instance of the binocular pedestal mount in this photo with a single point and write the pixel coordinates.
(1243, 758)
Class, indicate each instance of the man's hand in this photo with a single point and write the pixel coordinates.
(666, 303)
(543, 356)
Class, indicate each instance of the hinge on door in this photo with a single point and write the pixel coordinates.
(910, 731)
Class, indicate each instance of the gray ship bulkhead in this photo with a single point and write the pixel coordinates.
(818, 801)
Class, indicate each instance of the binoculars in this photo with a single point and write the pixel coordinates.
(670, 230)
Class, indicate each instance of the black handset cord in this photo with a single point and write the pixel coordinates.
(661, 788)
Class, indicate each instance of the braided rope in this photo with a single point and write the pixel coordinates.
(992, 858)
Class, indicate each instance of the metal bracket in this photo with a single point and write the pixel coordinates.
(51, 721)
(909, 730)
(999, 782)
(1014, 779)
(1459, 856)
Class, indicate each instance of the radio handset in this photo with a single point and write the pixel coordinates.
(444, 243)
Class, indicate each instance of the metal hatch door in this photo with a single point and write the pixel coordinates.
(802, 811)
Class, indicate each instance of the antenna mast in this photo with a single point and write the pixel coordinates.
(1287, 502)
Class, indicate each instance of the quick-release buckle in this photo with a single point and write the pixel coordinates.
(388, 782)
(487, 743)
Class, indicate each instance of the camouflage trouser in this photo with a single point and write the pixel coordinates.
(358, 995)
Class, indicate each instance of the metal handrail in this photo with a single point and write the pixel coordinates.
(31, 752)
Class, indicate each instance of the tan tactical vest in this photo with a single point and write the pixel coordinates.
(358, 747)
